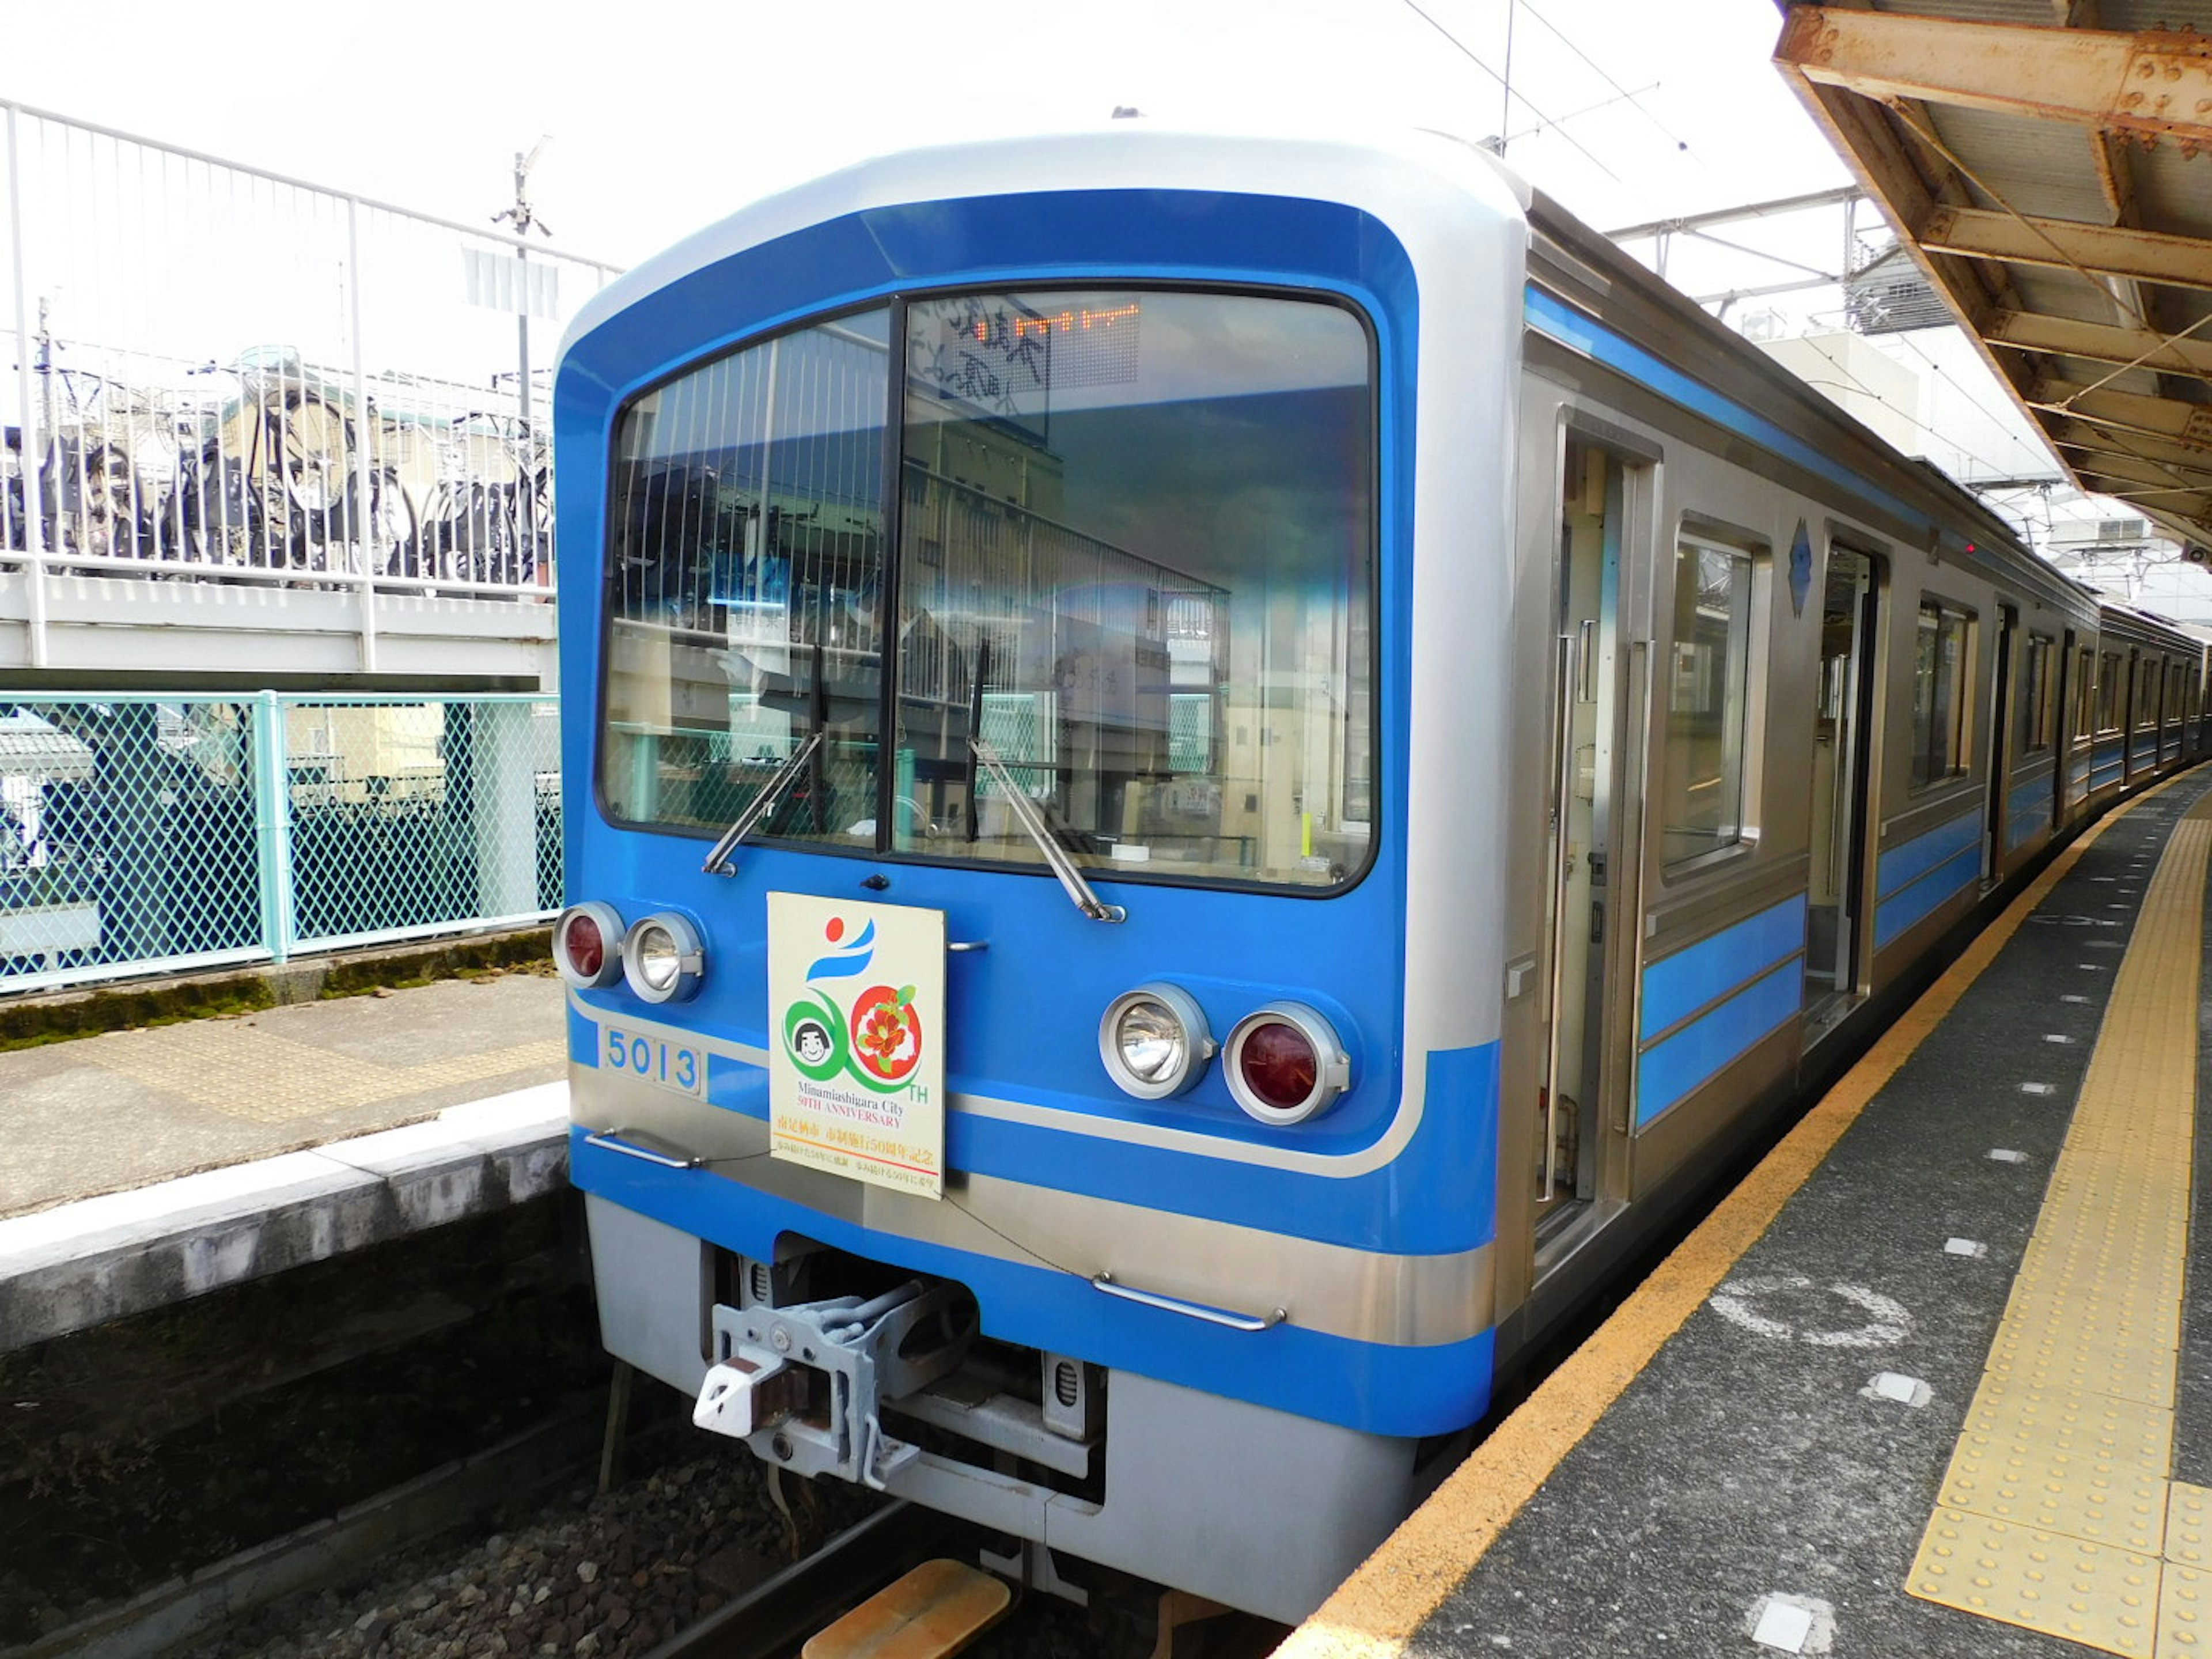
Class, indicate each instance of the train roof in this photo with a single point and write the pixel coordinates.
(1369, 168)
(1588, 271)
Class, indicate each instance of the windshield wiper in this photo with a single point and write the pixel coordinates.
(718, 861)
(1026, 814)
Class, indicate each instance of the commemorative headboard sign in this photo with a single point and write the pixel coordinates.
(856, 1039)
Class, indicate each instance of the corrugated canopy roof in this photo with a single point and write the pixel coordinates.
(2041, 159)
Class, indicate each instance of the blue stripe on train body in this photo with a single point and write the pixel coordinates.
(1023, 1016)
(1915, 878)
(1740, 984)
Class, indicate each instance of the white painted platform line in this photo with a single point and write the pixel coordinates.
(1792, 1624)
(1896, 1386)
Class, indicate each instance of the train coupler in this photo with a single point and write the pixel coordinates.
(803, 1385)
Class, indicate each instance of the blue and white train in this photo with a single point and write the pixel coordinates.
(1203, 773)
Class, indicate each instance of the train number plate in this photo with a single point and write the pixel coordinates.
(670, 1064)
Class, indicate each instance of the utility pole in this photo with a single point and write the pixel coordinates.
(524, 219)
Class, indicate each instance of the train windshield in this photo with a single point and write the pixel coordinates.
(1127, 570)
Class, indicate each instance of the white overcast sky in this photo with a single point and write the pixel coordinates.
(663, 114)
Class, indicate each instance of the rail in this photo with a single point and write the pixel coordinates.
(775, 1617)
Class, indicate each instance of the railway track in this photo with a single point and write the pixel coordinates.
(774, 1619)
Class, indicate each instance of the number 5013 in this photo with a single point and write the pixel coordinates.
(669, 1065)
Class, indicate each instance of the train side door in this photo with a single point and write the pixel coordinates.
(1581, 1140)
(1843, 746)
(2062, 716)
(2000, 757)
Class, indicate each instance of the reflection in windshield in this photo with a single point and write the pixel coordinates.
(1135, 557)
(747, 574)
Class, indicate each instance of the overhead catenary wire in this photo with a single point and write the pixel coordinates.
(1468, 52)
(1634, 98)
(1842, 369)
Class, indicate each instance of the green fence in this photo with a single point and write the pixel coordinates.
(152, 833)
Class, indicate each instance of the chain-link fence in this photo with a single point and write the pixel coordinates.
(152, 833)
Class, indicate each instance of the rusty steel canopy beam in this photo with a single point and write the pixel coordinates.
(2133, 469)
(2102, 250)
(2189, 424)
(2154, 84)
(2080, 435)
(2161, 504)
(2033, 331)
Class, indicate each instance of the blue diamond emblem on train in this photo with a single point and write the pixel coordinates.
(1800, 570)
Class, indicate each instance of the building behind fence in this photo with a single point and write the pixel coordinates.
(166, 833)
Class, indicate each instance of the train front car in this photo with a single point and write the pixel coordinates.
(1033, 613)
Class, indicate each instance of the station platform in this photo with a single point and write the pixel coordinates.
(142, 1168)
(1935, 1381)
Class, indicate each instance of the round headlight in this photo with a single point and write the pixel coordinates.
(662, 958)
(1154, 1041)
(1285, 1063)
(587, 944)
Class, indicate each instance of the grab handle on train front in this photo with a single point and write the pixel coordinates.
(1235, 1321)
(607, 1140)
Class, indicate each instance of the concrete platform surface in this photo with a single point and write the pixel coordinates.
(103, 1114)
(1838, 1419)
(73, 1266)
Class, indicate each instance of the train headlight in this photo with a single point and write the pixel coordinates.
(1154, 1042)
(662, 958)
(1285, 1063)
(587, 944)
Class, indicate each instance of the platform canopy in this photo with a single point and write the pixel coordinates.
(2040, 159)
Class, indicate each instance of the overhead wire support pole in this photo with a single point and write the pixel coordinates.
(34, 493)
(524, 218)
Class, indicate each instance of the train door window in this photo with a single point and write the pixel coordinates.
(1940, 677)
(1708, 701)
(2108, 691)
(2031, 729)
(1592, 881)
(2085, 694)
(2004, 744)
(1842, 765)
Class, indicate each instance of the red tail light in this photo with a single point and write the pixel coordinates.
(587, 944)
(1285, 1063)
(1278, 1064)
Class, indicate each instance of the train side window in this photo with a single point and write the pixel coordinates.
(1939, 704)
(2034, 704)
(1708, 700)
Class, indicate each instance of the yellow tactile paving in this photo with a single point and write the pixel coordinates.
(1375, 1613)
(2060, 1511)
(2189, 1525)
(2184, 1613)
(2042, 1581)
(253, 1074)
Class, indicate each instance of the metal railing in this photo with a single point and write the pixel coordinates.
(394, 438)
(158, 833)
